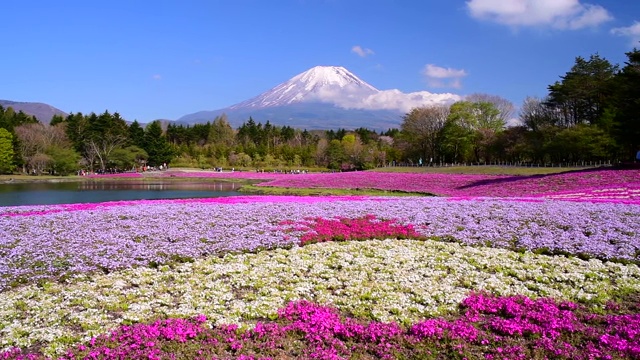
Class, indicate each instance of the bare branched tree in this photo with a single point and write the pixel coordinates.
(534, 114)
(422, 127)
(36, 139)
(504, 106)
(103, 147)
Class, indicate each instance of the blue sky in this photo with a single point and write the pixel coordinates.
(164, 59)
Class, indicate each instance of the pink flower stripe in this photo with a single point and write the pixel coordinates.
(486, 327)
(627, 181)
(603, 185)
(50, 209)
(624, 193)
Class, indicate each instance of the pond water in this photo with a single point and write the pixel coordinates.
(88, 191)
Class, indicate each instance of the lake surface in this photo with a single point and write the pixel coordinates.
(41, 193)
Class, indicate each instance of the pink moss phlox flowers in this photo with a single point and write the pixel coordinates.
(326, 331)
(627, 193)
(487, 326)
(598, 185)
(344, 229)
(51, 209)
(458, 185)
(548, 323)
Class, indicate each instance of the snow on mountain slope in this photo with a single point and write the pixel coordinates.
(318, 84)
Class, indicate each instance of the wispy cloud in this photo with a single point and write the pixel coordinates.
(438, 76)
(633, 32)
(156, 77)
(360, 51)
(558, 14)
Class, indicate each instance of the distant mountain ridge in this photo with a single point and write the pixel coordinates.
(43, 112)
(324, 97)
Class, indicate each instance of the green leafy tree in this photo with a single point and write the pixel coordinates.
(64, 160)
(336, 155)
(505, 108)
(128, 157)
(511, 145)
(475, 125)
(457, 142)
(580, 143)
(6, 151)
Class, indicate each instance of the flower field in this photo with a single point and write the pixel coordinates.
(482, 273)
(578, 185)
(584, 185)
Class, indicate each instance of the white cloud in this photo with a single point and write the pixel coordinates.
(157, 77)
(362, 52)
(633, 32)
(558, 14)
(397, 100)
(356, 98)
(443, 77)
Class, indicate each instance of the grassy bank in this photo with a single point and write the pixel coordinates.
(481, 170)
(264, 190)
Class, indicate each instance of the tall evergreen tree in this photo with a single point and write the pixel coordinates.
(6, 151)
(627, 100)
(584, 92)
(156, 145)
(136, 134)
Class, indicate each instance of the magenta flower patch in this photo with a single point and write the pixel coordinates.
(486, 327)
(601, 185)
(319, 229)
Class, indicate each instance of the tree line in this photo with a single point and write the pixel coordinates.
(591, 114)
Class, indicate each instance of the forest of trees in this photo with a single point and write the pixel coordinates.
(592, 114)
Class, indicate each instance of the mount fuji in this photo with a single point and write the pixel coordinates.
(325, 97)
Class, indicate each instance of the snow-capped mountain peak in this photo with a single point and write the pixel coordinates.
(318, 84)
(329, 76)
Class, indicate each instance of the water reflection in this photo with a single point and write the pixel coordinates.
(42, 193)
